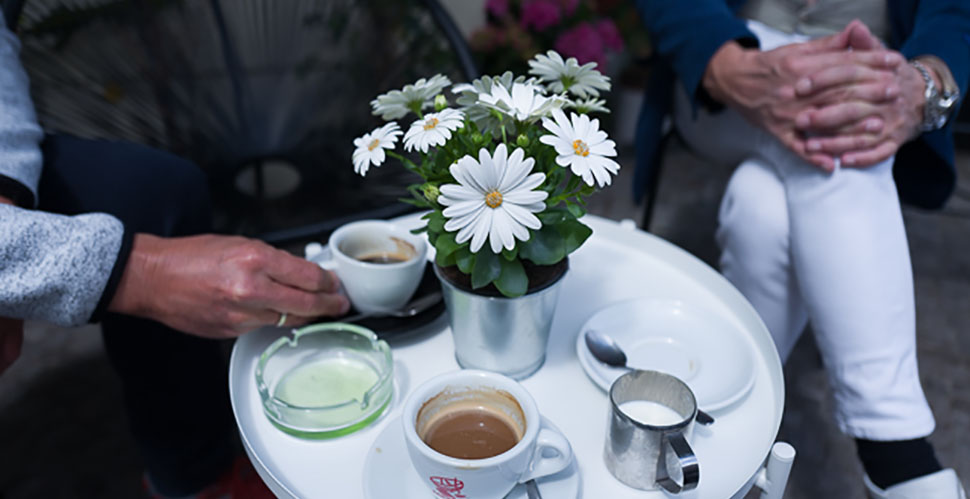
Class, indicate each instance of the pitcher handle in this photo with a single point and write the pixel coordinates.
(689, 467)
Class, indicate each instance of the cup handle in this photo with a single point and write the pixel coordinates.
(548, 440)
(320, 255)
(688, 464)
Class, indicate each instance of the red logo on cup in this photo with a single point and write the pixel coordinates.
(447, 488)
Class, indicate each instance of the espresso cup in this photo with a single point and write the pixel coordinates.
(477, 434)
(379, 264)
(651, 419)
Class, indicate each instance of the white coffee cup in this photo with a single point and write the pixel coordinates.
(541, 450)
(374, 287)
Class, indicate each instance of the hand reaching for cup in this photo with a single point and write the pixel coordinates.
(223, 286)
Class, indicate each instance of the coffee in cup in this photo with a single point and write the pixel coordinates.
(481, 423)
(479, 432)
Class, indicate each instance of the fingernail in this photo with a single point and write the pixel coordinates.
(802, 121)
(872, 125)
(345, 305)
(892, 91)
(848, 160)
(813, 145)
(804, 86)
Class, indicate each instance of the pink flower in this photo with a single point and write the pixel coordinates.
(498, 8)
(584, 43)
(569, 6)
(540, 14)
(610, 35)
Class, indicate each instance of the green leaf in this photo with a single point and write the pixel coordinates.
(545, 247)
(512, 282)
(552, 216)
(436, 222)
(446, 245)
(574, 234)
(575, 209)
(511, 254)
(465, 260)
(446, 260)
(488, 266)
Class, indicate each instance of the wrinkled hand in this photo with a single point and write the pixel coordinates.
(761, 85)
(859, 114)
(222, 286)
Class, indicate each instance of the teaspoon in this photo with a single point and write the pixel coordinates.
(605, 350)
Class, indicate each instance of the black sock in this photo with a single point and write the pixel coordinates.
(889, 463)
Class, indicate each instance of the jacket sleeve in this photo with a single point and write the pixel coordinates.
(942, 28)
(686, 35)
(56, 268)
(20, 135)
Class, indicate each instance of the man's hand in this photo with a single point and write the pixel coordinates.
(222, 286)
(761, 85)
(11, 331)
(859, 114)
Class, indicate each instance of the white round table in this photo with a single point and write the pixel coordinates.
(618, 262)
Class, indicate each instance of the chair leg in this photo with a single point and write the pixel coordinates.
(650, 199)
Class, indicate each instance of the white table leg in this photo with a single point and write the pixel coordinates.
(773, 478)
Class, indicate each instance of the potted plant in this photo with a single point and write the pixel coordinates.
(507, 163)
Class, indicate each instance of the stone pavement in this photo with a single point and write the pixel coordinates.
(63, 433)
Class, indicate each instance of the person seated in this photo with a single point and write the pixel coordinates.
(111, 232)
(830, 132)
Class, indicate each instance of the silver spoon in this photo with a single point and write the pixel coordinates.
(411, 309)
(605, 349)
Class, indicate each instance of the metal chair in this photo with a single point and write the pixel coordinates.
(265, 95)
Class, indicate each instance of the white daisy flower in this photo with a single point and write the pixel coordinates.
(494, 199)
(568, 75)
(525, 102)
(418, 95)
(370, 147)
(581, 146)
(590, 105)
(433, 130)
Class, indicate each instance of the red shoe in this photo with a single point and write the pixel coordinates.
(240, 482)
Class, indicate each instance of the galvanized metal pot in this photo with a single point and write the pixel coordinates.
(498, 334)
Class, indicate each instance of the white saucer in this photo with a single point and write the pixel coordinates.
(388, 473)
(711, 355)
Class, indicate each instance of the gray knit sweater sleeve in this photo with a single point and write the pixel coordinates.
(52, 267)
(20, 135)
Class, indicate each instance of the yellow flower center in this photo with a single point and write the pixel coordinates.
(581, 148)
(430, 123)
(493, 199)
(373, 144)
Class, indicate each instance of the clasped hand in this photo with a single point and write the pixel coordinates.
(840, 97)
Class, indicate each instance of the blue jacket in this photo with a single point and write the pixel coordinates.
(687, 33)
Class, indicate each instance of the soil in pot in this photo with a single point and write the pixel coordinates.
(540, 277)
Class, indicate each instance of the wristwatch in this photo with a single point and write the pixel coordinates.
(939, 102)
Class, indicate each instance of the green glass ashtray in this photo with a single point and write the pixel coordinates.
(325, 380)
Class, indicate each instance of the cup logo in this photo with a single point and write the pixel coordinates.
(447, 488)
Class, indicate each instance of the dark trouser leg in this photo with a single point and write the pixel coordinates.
(175, 386)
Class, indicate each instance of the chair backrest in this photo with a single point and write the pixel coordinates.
(248, 89)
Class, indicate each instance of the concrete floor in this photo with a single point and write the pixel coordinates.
(63, 432)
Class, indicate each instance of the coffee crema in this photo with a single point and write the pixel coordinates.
(383, 258)
(471, 434)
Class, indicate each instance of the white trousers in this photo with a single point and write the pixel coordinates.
(830, 248)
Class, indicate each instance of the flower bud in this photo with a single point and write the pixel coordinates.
(440, 102)
(478, 138)
(522, 141)
(431, 192)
